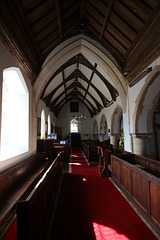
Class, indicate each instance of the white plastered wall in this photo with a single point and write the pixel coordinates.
(65, 116)
(41, 106)
(136, 93)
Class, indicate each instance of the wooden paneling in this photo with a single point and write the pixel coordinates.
(127, 181)
(133, 21)
(139, 185)
(155, 201)
(119, 36)
(114, 42)
(92, 11)
(123, 26)
(39, 11)
(140, 190)
(141, 48)
(140, 9)
(116, 170)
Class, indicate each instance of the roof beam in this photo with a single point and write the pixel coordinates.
(91, 77)
(78, 85)
(106, 18)
(64, 82)
(82, 60)
(145, 48)
(82, 13)
(75, 74)
(58, 17)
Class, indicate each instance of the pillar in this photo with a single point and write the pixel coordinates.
(139, 143)
(113, 140)
(101, 138)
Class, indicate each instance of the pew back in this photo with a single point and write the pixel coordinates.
(138, 184)
(14, 182)
(89, 148)
(12, 177)
(34, 206)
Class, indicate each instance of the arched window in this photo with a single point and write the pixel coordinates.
(43, 124)
(49, 124)
(74, 126)
(15, 114)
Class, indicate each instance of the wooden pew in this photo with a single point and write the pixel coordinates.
(46, 146)
(104, 152)
(34, 207)
(52, 149)
(13, 183)
(139, 178)
(89, 148)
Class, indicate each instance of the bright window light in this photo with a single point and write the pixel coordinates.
(49, 124)
(43, 124)
(74, 126)
(107, 233)
(15, 115)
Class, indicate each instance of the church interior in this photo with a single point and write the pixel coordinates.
(80, 119)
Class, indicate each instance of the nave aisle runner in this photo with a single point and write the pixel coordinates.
(91, 208)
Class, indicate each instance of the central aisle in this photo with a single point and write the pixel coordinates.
(91, 208)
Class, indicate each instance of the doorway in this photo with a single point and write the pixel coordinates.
(75, 139)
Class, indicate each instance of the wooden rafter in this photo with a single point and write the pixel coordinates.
(128, 30)
(138, 51)
(82, 60)
(148, 25)
(106, 18)
(82, 13)
(91, 77)
(63, 78)
(58, 17)
(76, 74)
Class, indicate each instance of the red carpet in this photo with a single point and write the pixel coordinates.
(12, 233)
(91, 208)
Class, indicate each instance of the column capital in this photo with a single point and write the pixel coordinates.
(139, 142)
(114, 134)
(141, 135)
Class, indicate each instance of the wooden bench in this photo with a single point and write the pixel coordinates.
(104, 153)
(66, 149)
(46, 145)
(138, 178)
(52, 149)
(104, 161)
(13, 183)
(89, 148)
(34, 207)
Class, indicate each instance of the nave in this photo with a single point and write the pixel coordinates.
(87, 207)
(91, 208)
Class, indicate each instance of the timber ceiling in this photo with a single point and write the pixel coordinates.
(128, 29)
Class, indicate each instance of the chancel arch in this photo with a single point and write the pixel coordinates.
(106, 66)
